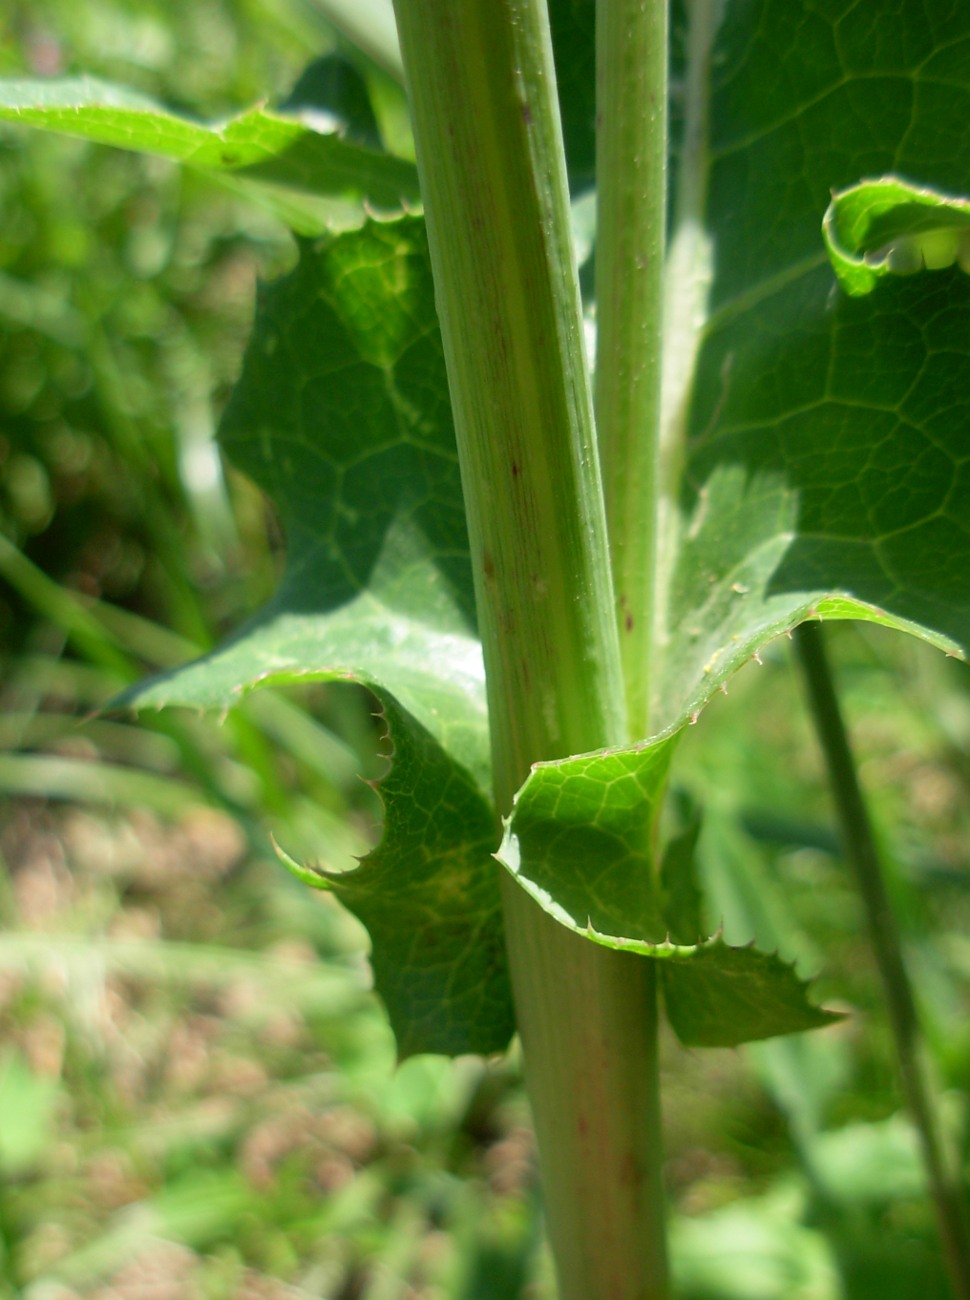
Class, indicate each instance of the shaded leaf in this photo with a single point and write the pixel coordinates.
(429, 897)
(573, 25)
(342, 416)
(827, 470)
(725, 996)
(683, 897)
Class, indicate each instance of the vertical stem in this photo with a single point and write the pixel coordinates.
(489, 148)
(631, 197)
(863, 859)
(482, 91)
(631, 164)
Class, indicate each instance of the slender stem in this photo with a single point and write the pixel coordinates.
(862, 857)
(489, 148)
(631, 163)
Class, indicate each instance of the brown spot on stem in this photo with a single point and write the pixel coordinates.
(628, 622)
(629, 1171)
(488, 565)
(527, 114)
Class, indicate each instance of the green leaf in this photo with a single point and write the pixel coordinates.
(683, 898)
(308, 167)
(573, 24)
(827, 471)
(580, 840)
(725, 996)
(28, 1101)
(429, 897)
(825, 474)
(889, 226)
(342, 416)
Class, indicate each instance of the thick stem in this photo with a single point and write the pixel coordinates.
(862, 856)
(588, 1021)
(489, 150)
(481, 86)
(631, 163)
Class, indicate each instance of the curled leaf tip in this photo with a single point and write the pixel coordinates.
(891, 226)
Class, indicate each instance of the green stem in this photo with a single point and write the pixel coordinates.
(862, 856)
(489, 148)
(631, 162)
(480, 83)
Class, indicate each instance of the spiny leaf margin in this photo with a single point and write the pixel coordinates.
(428, 896)
(582, 841)
(890, 226)
(309, 172)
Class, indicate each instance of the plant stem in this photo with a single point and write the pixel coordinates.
(862, 857)
(631, 164)
(489, 148)
(481, 86)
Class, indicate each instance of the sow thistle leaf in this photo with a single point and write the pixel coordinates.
(428, 895)
(726, 996)
(309, 170)
(342, 417)
(581, 841)
(827, 472)
(888, 226)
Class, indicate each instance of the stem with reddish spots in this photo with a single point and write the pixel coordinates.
(482, 89)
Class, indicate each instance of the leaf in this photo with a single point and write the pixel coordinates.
(885, 226)
(825, 474)
(342, 417)
(429, 897)
(28, 1099)
(683, 898)
(725, 996)
(299, 157)
(573, 25)
(580, 840)
(827, 470)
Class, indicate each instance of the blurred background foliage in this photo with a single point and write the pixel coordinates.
(198, 1094)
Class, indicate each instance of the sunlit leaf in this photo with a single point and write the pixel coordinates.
(308, 165)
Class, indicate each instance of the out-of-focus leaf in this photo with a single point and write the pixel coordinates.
(301, 156)
(27, 1102)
